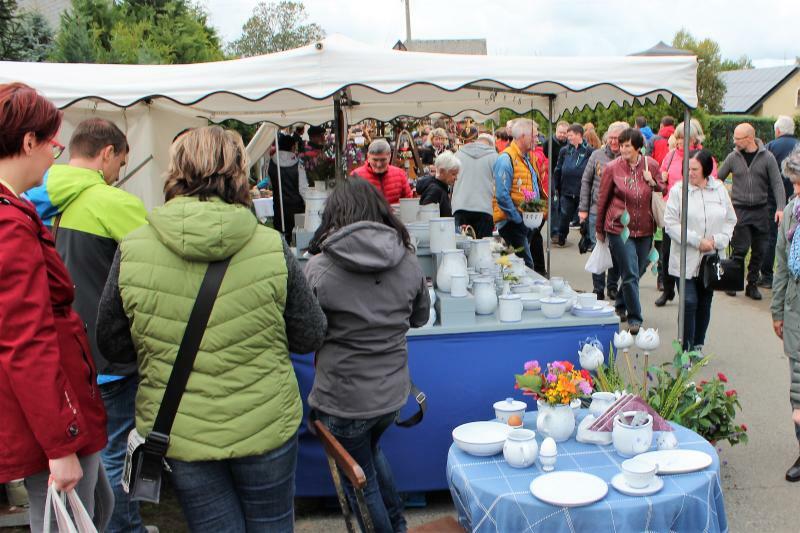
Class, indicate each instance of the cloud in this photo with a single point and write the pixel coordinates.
(764, 31)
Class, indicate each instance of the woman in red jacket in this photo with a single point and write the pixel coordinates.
(53, 423)
(624, 214)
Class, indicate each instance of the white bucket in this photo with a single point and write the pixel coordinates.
(443, 234)
(409, 209)
(315, 205)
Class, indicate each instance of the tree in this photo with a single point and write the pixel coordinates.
(275, 27)
(136, 32)
(742, 63)
(710, 88)
(23, 36)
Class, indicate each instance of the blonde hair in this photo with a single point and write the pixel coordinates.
(695, 131)
(439, 132)
(206, 162)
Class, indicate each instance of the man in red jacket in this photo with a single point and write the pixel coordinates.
(658, 145)
(389, 179)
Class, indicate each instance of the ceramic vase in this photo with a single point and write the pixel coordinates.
(555, 421)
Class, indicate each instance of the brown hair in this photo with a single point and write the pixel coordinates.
(592, 139)
(23, 110)
(206, 162)
(93, 135)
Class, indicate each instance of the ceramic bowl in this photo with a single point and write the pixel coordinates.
(481, 438)
(521, 288)
(531, 301)
(554, 307)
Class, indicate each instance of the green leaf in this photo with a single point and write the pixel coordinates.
(528, 381)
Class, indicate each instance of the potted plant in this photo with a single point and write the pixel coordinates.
(554, 389)
(533, 209)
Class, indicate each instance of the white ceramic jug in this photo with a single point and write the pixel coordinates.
(556, 421)
(443, 234)
(427, 212)
(453, 262)
(510, 308)
(485, 295)
(601, 401)
(520, 449)
(315, 205)
(409, 209)
(480, 254)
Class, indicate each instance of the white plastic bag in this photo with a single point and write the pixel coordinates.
(56, 503)
(600, 260)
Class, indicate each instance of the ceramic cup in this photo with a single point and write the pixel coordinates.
(637, 473)
(588, 300)
(458, 285)
(557, 283)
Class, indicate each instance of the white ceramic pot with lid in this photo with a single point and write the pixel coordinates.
(510, 308)
(443, 234)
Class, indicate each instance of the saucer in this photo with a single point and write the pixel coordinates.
(618, 482)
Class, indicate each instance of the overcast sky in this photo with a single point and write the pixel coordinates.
(765, 30)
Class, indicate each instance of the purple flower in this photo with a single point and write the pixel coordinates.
(559, 366)
(585, 387)
(551, 378)
(530, 365)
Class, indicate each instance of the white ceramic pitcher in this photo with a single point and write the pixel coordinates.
(443, 234)
(480, 254)
(485, 295)
(453, 262)
(556, 421)
(520, 449)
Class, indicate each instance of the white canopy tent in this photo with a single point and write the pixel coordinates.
(310, 84)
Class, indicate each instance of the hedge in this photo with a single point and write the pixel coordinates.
(719, 133)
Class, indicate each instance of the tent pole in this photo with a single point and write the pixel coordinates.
(280, 187)
(546, 237)
(341, 136)
(687, 117)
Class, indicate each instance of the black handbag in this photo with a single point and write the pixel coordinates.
(722, 274)
(144, 460)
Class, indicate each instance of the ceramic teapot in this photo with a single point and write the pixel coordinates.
(453, 262)
(520, 449)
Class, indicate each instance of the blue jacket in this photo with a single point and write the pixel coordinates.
(569, 169)
(780, 148)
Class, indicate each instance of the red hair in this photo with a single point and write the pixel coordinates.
(23, 110)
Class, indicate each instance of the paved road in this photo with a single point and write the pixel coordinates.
(740, 337)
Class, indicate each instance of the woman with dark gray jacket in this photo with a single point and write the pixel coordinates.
(785, 290)
(372, 289)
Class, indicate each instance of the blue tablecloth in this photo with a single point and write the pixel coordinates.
(462, 375)
(492, 496)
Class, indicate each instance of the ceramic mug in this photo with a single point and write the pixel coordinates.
(637, 473)
(557, 283)
(458, 285)
(587, 300)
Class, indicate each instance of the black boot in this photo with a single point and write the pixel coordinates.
(751, 291)
(793, 474)
(664, 298)
(600, 295)
(612, 293)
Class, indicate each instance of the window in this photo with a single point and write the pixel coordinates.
(797, 103)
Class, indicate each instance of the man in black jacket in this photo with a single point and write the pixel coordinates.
(567, 177)
(436, 189)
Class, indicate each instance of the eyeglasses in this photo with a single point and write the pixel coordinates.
(58, 149)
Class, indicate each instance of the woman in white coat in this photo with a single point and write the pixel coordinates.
(709, 228)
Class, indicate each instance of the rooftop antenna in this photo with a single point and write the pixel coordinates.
(408, 20)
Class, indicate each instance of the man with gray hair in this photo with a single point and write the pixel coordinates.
(390, 180)
(436, 189)
(474, 190)
(781, 146)
(514, 173)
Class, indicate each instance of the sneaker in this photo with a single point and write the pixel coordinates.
(765, 282)
(151, 529)
(664, 298)
(793, 474)
(752, 292)
(730, 293)
(562, 242)
(574, 225)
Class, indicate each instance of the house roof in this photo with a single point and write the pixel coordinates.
(747, 89)
(663, 49)
(444, 46)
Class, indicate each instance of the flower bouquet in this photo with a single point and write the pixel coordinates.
(533, 209)
(559, 383)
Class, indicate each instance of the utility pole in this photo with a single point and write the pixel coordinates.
(408, 20)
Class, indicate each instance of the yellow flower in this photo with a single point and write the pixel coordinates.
(503, 260)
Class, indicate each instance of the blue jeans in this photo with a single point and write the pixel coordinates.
(568, 207)
(360, 439)
(518, 235)
(600, 281)
(554, 217)
(630, 257)
(698, 313)
(245, 494)
(119, 398)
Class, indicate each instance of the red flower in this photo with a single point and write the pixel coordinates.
(730, 393)
(722, 377)
(703, 382)
(567, 366)
(744, 427)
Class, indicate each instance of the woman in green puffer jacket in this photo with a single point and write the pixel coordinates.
(233, 445)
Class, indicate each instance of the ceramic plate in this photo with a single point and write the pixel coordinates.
(618, 482)
(577, 310)
(569, 489)
(677, 461)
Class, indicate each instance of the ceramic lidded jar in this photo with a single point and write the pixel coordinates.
(631, 440)
(510, 308)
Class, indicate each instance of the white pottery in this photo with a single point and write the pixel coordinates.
(428, 212)
(480, 254)
(531, 301)
(548, 453)
(458, 285)
(569, 489)
(315, 205)
(623, 340)
(554, 307)
(543, 290)
(638, 474)
(587, 300)
(648, 339)
(510, 308)
(590, 357)
(453, 262)
(677, 461)
(443, 234)
(409, 210)
(556, 421)
(629, 440)
(422, 232)
(601, 401)
(666, 440)
(485, 295)
(520, 449)
(532, 220)
(619, 483)
(517, 266)
(521, 288)
(481, 438)
(505, 409)
(557, 283)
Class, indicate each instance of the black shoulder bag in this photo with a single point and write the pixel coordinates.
(145, 458)
(719, 274)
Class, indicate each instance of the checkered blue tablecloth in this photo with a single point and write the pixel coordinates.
(492, 496)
